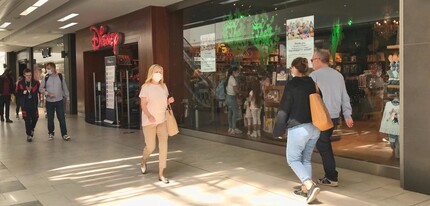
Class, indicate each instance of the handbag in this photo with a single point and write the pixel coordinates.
(172, 125)
(320, 117)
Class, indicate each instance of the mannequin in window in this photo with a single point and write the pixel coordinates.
(390, 124)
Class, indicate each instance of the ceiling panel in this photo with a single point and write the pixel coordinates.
(42, 26)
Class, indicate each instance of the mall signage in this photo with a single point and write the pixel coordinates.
(102, 38)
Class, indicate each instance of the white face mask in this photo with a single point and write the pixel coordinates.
(157, 77)
(251, 93)
(48, 71)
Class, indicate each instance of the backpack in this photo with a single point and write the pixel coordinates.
(59, 75)
(220, 91)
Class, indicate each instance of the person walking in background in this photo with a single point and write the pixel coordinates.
(154, 101)
(18, 97)
(232, 91)
(336, 99)
(55, 89)
(28, 89)
(7, 88)
(294, 113)
(41, 95)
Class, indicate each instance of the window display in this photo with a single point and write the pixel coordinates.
(260, 39)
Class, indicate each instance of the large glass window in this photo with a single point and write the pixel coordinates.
(257, 37)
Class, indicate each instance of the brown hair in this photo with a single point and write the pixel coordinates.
(51, 64)
(301, 64)
(27, 70)
(256, 93)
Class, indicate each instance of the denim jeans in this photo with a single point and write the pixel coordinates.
(326, 152)
(232, 107)
(395, 144)
(56, 107)
(300, 145)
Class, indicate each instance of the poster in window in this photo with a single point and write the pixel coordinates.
(300, 38)
(207, 53)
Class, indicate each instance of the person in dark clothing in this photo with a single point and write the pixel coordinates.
(18, 97)
(294, 114)
(29, 89)
(7, 88)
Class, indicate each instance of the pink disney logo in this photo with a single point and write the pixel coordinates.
(101, 38)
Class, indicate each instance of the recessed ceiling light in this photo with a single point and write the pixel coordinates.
(34, 7)
(40, 3)
(68, 17)
(68, 25)
(4, 25)
(28, 10)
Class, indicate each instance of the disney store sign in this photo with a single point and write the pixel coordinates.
(102, 38)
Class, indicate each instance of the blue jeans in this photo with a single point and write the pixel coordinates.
(232, 107)
(57, 107)
(300, 145)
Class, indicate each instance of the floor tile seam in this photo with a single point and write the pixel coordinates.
(428, 200)
(359, 194)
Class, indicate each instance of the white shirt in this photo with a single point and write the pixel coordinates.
(231, 83)
(156, 95)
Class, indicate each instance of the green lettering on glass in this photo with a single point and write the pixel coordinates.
(336, 37)
(265, 37)
(234, 29)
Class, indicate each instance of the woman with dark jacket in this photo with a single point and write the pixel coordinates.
(294, 114)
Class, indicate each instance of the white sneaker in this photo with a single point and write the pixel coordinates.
(254, 134)
(66, 137)
(51, 137)
(230, 130)
(236, 131)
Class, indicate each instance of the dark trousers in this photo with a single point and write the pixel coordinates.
(30, 116)
(56, 107)
(19, 103)
(326, 152)
(4, 102)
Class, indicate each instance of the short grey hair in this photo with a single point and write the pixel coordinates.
(323, 54)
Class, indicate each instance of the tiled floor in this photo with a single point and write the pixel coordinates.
(100, 166)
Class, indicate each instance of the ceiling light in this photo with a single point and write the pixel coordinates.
(34, 7)
(4, 25)
(40, 3)
(28, 10)
(228, 1)
(68, 17)
(68, 25)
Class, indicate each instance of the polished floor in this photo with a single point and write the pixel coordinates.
(100, 166)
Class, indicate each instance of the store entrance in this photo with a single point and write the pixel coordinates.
(126, 81)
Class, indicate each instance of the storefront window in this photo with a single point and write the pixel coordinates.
(256, 37)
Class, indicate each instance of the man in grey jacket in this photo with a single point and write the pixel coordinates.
(336, 99)
(55, 89)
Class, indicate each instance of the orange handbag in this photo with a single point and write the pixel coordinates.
(172, 125)
(320, 117)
